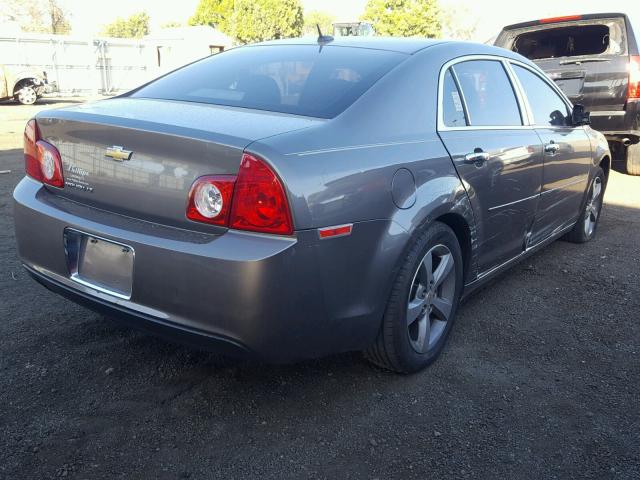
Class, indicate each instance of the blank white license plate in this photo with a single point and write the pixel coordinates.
(99, 263)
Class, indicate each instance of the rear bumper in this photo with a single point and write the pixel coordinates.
(140, 320)
(617, 125)
(276, 298)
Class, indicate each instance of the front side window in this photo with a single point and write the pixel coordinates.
(488, 93)
(547, 106)
(297, 79)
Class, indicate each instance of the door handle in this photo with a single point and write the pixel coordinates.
(478, 157)
(551, 148)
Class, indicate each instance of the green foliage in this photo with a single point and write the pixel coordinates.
(215, 13)
(458, 23)
(251, 20)
(405, 18)
(136, 26)
(258, 20)
(41, 16)
(314, 18)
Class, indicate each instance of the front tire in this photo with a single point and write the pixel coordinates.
(423, 303)
(587, 224)
(26, 95)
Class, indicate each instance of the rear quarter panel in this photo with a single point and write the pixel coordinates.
(343, 171)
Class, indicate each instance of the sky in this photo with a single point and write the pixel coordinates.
(488, 15)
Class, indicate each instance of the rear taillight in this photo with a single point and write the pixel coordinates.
(42, 160)
(210, 199)
(255, 200)
(259, 201)
(634, 77)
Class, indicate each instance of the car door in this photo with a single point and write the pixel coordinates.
(498, 157)
(566, 150)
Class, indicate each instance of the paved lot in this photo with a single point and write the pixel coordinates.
(541, 379)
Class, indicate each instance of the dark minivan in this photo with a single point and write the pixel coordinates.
(595, 60)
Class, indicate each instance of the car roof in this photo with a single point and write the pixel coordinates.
(402, 45)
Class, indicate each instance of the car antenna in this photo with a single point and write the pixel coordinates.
(323, 39)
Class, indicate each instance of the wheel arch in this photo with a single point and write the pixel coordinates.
(24, 82)
(462, 230)
(605, 164)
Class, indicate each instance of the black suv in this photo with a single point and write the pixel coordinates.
(594, 60)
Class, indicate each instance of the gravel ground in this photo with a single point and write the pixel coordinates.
(541, 379)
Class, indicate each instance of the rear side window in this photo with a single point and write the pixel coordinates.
(298, 79)
(607, 37)
(547, 106)
(488, 93)
(453, 111)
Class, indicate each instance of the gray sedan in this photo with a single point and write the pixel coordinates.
(295, 199)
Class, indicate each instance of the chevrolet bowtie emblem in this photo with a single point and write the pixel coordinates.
(118, 153)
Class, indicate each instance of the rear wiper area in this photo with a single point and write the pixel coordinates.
(578, 61)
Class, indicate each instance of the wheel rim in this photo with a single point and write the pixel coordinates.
(431, 298)
(592, 210)
(27, 95)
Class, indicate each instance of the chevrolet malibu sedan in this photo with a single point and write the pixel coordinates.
(295, 199)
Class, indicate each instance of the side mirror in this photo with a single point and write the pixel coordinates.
(579, 116)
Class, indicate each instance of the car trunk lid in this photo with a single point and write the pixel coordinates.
(139, 157)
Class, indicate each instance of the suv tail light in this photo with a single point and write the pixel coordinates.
(42, 160)
(566, 18)
(634, 77)
(255, 200)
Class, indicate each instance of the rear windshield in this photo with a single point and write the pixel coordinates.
(606, 37)
(298, 79)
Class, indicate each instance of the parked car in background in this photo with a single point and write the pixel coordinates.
(595, 60)
(23, 85)
(289, 201)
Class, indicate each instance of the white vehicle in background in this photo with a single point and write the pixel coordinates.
(353, 29)
(24, 86)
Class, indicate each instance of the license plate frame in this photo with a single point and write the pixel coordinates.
(99, 263)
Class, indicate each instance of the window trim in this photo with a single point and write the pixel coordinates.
(440, 120)
(521, 98)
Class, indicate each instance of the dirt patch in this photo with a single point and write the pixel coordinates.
(541, 379)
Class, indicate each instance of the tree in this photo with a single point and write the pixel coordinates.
(458, 23)
(40, 16)
(405, 18)
(315, 18)
(136, 26)
(258, 20)
(58, 19)
(215, 13)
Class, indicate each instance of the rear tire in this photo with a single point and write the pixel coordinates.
(586, 226)
(633, 159)
(423, 303)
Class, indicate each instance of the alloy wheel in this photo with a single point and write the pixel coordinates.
(431, 298)
(592, 209)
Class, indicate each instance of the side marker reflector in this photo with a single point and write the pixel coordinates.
(335, 231)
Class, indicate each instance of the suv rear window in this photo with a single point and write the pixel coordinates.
(605, 37)
(297, 79)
